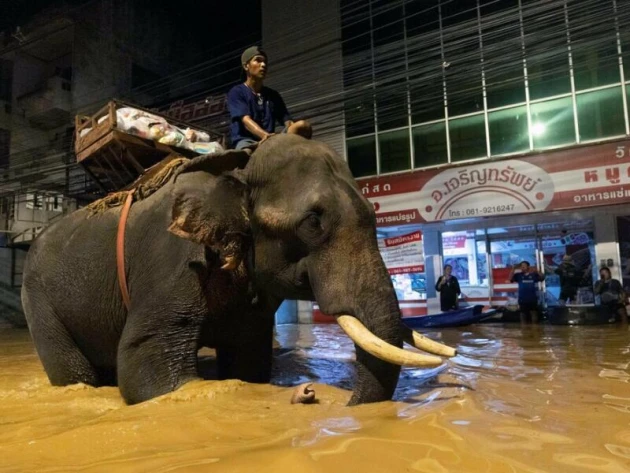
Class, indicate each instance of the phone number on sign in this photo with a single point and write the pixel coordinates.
(488, 210)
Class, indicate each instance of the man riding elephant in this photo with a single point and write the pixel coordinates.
(255, 109)
(208, 259)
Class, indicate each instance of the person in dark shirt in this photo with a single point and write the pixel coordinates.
(570, 278)
(255, 109)
(611, 294)
(448, 287)
(527, 290)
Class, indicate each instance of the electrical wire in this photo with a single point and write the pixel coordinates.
(415, 67)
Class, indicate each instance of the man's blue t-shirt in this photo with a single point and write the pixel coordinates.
(266, 110)
(526, 287)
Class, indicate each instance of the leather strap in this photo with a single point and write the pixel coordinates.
(120, 249)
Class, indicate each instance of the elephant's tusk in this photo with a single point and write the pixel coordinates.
(425, 343)
(380, 348)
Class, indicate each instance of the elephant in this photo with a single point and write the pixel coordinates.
(209, 257)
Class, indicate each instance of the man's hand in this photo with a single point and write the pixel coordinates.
(267, 135)
(254, 128)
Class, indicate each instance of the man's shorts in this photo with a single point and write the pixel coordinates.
(528, 307)
(247, 142)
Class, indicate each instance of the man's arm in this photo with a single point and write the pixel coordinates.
(239, 111)
(511, 276)
(438, 285)
(254, 128)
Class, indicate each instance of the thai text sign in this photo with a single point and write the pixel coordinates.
(403, 254)
(572, 178)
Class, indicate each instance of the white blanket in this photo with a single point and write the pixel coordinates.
(154, 127)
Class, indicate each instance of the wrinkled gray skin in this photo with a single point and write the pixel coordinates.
(294, 224)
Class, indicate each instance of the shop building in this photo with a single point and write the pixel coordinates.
(485, 133)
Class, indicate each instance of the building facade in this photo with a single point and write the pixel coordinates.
(71, 59)
(485, 132)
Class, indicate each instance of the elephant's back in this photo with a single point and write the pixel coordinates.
(74, 243)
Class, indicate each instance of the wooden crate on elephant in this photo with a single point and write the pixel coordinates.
(119, 142)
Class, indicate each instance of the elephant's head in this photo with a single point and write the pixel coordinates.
(313, 237)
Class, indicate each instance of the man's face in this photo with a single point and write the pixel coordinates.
(524, 267)
(257, 67)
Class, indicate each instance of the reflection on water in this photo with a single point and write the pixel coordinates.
(515, 399)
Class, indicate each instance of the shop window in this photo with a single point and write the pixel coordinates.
(429, 145)
(505, 85)
(458, 14)
(468, 138)
(508, 131)
(552, 123)
(362, 156)
(462, 57)
(623, 236)
(467, 257)
(546, 50)
(427, 97)
(394, 151)
(355, 28)
(402, 251)
(568, 260)
(389, 64)
(501, 30)
(595, 62)
(424, 56)
(391, 106)
(359, 115)
(623, 11)
(600, 114)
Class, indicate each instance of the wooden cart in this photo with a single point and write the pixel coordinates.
(114, 158)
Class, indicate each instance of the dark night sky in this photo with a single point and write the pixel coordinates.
(213, 22)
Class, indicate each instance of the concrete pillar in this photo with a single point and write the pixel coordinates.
(305, 312)
(432, 267)
(606, 247)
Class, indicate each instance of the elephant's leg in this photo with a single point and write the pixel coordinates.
(157, 354)
(63, 361)
(244, 348)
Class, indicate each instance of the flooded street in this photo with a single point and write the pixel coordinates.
(515, 399)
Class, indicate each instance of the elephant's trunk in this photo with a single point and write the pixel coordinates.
(376, 379)
(363, 299)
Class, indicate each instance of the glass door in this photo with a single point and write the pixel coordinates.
(568, 259)
(507, 253)
(465, 251)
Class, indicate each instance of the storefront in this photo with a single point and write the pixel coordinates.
(483, 218)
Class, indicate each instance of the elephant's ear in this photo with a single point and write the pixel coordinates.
(212, 211)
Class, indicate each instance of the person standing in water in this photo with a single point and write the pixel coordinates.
(527, 290)
(448, 287)
(611, 294)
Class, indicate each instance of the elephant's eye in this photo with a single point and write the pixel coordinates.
(311, 228)
(313, 221)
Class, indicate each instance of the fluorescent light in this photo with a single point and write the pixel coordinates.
(538, 129)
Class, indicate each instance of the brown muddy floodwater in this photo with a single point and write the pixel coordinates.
(516, 399)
